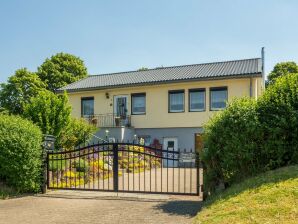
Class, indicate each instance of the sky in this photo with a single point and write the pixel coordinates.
(114, 36)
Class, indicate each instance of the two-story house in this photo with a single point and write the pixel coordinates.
(168, 105)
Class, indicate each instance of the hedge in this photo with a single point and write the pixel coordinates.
(250, 136)
(232, 139)
(20, 153)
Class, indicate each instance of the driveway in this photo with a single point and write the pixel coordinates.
(98, 207)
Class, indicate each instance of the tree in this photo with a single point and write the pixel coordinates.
(281, 69)
(50, 112)
(60, 70)
(15, 94)
(143, 69)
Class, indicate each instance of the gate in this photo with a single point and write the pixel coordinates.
(124, 167)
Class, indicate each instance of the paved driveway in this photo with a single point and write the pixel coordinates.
(96, 207)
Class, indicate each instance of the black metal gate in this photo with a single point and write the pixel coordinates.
(124, 167)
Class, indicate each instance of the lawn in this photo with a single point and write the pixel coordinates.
(271, 197)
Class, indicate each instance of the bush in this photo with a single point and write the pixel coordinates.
(20, 153)
(232, 138)
(76, 133)
(55, 165)
(250, 137)
(81, 165)
(278, 114)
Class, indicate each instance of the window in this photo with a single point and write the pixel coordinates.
(218, 98)
(197, 100)
(87, 106)
(176, 101)
(138, 105)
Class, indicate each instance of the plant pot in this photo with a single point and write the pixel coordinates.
(117, 121)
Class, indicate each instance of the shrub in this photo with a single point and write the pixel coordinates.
(81, 165)
(232, 139)
(278, 114)
(250, 137)
(55, 165)
(20, 153)
(76, 133)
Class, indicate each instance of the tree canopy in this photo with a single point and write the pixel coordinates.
(61, 69)
(281, 69)
(143, 69)
(50, 112)
(19, 89)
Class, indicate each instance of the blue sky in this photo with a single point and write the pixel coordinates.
(113, 36)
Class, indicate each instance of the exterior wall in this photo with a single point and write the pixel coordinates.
(157, 115)
(185, 136)
(118, 133)
(257, 87)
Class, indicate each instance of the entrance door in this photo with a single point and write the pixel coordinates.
(170, 144)
(199, 142)
(120, 106)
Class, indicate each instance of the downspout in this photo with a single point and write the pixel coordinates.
(250, 86)
(263, 66)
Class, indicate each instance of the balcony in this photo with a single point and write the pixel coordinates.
(108, 120)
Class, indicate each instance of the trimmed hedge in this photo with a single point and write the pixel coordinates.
(20, 153)
(251, 136)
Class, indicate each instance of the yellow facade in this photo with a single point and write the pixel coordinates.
(157, 115)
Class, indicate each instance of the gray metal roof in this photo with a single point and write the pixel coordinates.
(216, 70)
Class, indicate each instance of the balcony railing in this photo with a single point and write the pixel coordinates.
(108, 120)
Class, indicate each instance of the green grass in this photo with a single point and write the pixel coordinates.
(271, 197)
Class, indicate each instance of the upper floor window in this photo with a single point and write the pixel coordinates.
(138, 103)
(87, 106)
(218, 98)
(176, 101)
(197, 100)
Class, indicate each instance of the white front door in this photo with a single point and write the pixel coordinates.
(170, 144)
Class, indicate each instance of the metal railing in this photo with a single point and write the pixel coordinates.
(108, 120)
